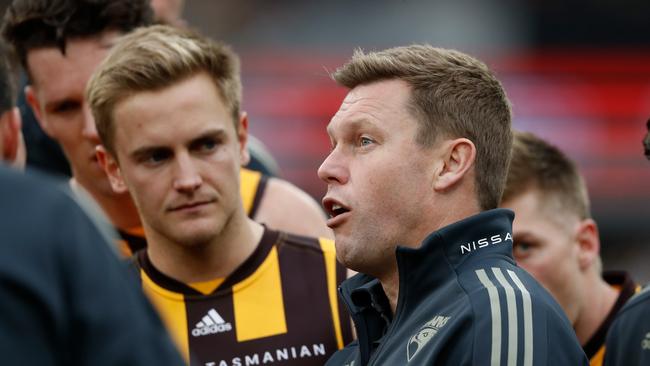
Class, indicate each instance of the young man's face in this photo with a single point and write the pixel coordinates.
(379, 179)
(545, 245)
(179, 155)
(57, 96)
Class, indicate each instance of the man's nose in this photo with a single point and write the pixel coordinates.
(187, 177)
(89, 128)
(333, 169)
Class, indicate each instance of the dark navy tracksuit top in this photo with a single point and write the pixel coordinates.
(462, 301)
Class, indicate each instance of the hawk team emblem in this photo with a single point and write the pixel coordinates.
(424, 335)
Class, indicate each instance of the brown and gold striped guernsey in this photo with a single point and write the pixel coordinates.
(251, 189)
(279, 307)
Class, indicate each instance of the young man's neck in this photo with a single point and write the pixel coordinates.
(600, 302)
(216, 259)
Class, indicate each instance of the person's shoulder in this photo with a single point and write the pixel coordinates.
(628, 339)
(638, 303)
(30, 183)
(507, 301)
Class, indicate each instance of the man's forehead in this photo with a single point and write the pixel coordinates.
(81, 54)
(371, 103)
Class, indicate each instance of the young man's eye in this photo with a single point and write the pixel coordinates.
(156, 157)
(521, 249)
(66, 107)
(205, 145)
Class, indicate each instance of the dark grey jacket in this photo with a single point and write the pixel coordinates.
(462, 301)
(65, 298)
(628, 339)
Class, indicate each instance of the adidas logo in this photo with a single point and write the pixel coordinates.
(210, 324)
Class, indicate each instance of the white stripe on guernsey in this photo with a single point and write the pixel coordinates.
(495, 308)
(207, 321)
(511, 304)
(528, 319)
(217, 318)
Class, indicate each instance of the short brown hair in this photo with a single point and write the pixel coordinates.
(453, 95)
(539, 165)
(156, 57)
(30, 24)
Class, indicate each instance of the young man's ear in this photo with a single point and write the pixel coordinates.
(112, 169)
(242, 137)
(588, 243)
(35, 104)
(456, 158)
(13, 145)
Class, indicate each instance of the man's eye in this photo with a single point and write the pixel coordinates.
(365, 141)
(522, 248)
(208, 145)
(66, 107)
(205, 145)
(157, 157)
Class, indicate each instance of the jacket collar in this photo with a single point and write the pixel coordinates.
(421, 270)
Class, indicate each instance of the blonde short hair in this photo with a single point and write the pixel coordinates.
(156, 57)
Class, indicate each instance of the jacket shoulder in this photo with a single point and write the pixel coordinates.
(516, 320)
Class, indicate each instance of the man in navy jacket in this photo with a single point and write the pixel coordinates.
(420, 151)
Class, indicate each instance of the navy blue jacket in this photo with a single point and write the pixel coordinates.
(628, 340)
(462, 301)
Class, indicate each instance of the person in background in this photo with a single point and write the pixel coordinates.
(167, 106)
(59, 44)
(420, 151)
(556, 240)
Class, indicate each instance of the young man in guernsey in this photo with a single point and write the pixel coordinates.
(60, 43)
(420, 150)
(166, 102)
(556, 240)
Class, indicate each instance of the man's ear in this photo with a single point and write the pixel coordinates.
(35, 104)
(112, 169)
(457, 157)
(13, 146)
(242, 136)
(588, 242)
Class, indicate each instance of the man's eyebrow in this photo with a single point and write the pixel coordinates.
(53, 104)
(209, 134)
(146, 151)
(352, 125)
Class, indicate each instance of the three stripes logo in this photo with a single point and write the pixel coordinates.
(210, 324)
(510, 334)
